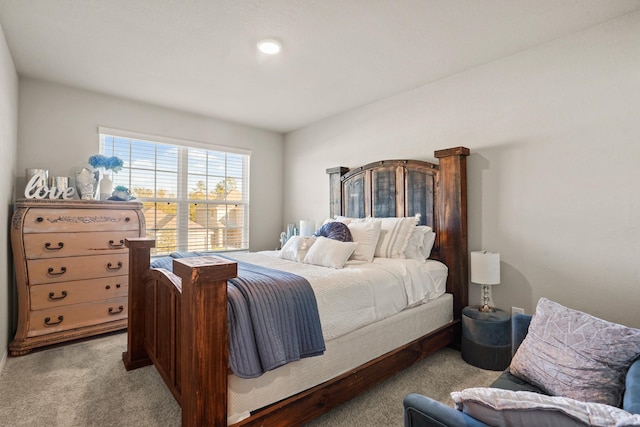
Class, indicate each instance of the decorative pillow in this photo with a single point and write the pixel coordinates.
(573, 354)
(296, 248)
(420, 243)
(335, 230)
(366, 235)
(329, 252)
(498, 407)
(394, 235)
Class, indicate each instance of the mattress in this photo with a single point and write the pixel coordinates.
(362, 292)
(366, 310)
(343, 354)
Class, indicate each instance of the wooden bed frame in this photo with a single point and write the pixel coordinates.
(182, 327)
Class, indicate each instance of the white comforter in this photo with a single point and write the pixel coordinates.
(361, 293)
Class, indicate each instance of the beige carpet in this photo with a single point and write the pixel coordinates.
(85, 384)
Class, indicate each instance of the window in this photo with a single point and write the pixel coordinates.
(195, 197)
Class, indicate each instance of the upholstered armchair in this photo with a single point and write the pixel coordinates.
(422, 411)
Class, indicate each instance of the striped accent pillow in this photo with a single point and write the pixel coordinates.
(394, 236)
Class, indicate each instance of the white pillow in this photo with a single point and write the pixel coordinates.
(429, 241)
(296, 248)
(498, 407)
(348, 220)
(329, 253)
(420, 243)
(366, 235)
(394, 235)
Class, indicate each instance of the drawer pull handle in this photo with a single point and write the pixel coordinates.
(118, 267)
(53, 297)
(48, 322)
(39, 219)
(118, 285)
(112, 245)
(60, 273)
(127, 219)
(48, 246)
(113, 312)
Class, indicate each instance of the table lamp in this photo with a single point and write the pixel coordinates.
(485, 270)
(307, 227)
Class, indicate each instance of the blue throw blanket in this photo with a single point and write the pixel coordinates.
(273, 317)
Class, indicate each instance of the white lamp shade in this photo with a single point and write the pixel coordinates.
(485, 268)
(307, 227)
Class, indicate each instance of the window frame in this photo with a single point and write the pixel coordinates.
(182, 200)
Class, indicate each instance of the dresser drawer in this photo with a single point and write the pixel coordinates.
(76, 316)
(76, 292)
(43, 220)
(55, 245)
(55, 270)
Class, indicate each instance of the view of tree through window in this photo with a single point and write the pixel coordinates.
(194, 199)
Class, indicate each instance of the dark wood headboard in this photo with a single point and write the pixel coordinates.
(397, 188)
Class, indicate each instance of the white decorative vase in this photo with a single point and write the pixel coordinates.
(86, 183)
(106, 186)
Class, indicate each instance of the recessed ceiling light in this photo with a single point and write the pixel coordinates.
(269, 46)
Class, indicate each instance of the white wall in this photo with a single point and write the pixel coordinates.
(58, 131)
(8, 144)
(553, 176)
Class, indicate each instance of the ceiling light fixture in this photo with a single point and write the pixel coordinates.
(269, 46)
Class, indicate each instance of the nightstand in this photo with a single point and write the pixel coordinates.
(486, 338)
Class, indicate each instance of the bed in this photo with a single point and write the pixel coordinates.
(178, 321)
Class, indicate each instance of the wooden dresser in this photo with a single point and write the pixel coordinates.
(71, 268)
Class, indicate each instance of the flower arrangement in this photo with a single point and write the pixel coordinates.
(99, 161)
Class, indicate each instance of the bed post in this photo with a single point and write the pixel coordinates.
(452, 223)
(139, 251)
(204, 339)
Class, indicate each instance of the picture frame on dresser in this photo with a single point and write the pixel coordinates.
(71, 268)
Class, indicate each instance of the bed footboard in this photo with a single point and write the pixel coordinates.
(187, 346)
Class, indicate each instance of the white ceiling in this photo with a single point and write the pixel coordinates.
(199, 55)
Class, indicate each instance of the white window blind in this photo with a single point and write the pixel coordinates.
(195, 198)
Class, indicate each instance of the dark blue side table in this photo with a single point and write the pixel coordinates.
(486, 338)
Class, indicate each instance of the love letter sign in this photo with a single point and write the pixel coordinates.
(35, 191)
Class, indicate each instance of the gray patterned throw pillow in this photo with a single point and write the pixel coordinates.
(573, 354)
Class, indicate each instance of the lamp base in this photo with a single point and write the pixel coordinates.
(486, 309)
(486, 291)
